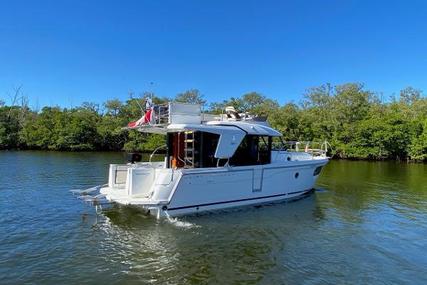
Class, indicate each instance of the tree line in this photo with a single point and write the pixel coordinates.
(357, 122)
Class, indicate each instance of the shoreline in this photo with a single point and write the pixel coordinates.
(148, 152)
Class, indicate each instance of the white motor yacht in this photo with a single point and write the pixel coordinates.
(212, 162)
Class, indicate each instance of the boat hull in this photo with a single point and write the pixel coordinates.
(198, 190)
(225, 205)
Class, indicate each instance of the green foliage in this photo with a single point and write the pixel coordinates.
(113, 107)
(192, 96)
(288, 121)
(10, 124)
(252, 102)
(418, 147)
(356, 123)
(110, 133)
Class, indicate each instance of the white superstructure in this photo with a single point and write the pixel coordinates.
(212, 162)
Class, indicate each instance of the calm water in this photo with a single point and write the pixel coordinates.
(366, 224)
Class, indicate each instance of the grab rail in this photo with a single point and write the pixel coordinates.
(322, 151)
(304, 146)
(154, 151)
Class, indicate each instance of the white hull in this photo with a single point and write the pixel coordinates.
(189, 210)
(177, 192)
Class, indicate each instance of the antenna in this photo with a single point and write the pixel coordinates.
(152, 90)
(137, 102)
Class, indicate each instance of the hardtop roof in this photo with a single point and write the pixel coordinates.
(219, 127)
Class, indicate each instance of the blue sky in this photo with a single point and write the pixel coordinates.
(68, 52)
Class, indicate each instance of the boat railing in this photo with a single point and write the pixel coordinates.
(160, 115)
(157, 119)
(155, 151)
(312, 147)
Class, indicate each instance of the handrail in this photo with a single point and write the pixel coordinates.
(154, 151)
(322, 150)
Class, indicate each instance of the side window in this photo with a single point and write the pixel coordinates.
(206, 144)
(243, 154)
(253, 150)
(264, 148)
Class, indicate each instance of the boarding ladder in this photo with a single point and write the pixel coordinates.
(189, 149)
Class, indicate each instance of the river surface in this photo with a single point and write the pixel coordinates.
(365, 224)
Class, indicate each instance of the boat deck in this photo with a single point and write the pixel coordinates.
(121, 196)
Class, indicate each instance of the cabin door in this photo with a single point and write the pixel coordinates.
(257, 179)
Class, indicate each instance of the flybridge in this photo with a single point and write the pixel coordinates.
(157, 117)
(174, 116)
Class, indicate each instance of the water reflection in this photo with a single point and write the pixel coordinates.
(243, 242)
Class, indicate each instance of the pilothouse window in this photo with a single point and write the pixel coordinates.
(278, 144)
(252, 150)
(188, 149)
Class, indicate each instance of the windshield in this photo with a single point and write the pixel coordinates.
(278, 144)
